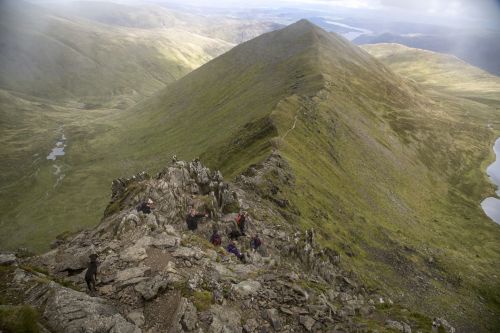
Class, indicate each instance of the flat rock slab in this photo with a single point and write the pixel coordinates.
(70, 311)
(247, 288)
(7, 258)
(131, 273)
(187, 253)
(133, 253)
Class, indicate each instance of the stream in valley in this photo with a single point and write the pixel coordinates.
(56, 152)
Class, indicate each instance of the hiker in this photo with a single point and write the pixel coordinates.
(215, 239)
(435, 326)
(240, 221)
(231, 248)
(193, 218)
(146, 206)
(234, 234)
(255, 243)
(91, 274)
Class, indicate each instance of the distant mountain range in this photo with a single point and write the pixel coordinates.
(479, 49)
(63, 52)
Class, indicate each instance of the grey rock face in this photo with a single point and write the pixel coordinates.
(189, 318)
(67, 310)
(225, 320)
(137, 317)
(308, 322)
(7, 258)
(398, 326)
(274, 318)
(73, 258)
(131, 273)
(246, 288)
(150, 288)
(133, 253)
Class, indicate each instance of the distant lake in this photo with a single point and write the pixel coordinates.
(491, 205)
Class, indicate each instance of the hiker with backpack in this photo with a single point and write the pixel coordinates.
(192, 219)
(231, 248)
(255, 243)
(241, 220)
(146, 206)
(234, 234)
(215, 239)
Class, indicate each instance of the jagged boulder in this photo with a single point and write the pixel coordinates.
(7, 258)
(225, 320)
(398, 326)
(307, 321)
(150, 288)
(246, 288)
(67, 310)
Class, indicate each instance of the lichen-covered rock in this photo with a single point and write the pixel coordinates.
(67, 310)
(7, 258)
(225, 320)
(246, 288)
(274, 318)
(150, 288)
(133, 253)
(308, 322)
(398, 326)
(131, 273)
(189, 317)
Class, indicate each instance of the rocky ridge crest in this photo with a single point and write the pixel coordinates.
(155, 276)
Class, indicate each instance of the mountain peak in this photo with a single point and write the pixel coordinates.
(304, 24)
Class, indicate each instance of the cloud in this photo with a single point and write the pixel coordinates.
(453, 8)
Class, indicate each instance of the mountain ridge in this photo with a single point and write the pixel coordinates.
(385, 172)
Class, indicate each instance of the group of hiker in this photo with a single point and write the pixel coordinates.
(193, 218)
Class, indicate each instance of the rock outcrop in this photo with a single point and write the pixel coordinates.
(156, 276)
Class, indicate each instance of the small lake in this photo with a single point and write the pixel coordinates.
(491, 205)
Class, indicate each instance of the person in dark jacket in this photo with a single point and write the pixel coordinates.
(255, 243)
(91, 274)
(234, 234)
(240, 221)
(231, 248)
(146, 206)
(193, 218)
(216, 239)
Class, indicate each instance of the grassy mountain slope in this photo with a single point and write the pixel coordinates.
(389, 173)
(479, 48)
(67, 69)
(150, 16)
(439, 72)
(51, 56)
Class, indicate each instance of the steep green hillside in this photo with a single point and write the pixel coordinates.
(478, 46)
(439, 72)
(66, 73)
(388, 173)
(72, 59)
(151, 16)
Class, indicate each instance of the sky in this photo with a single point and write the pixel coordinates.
(451, 9)
(419, 10)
